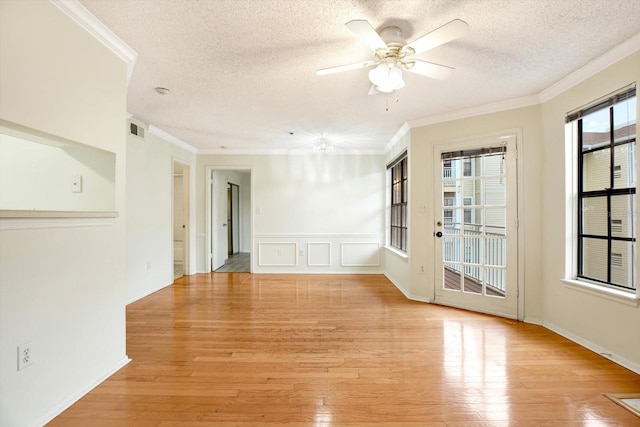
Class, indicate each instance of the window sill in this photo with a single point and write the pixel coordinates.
(399, 254)
(615, 295)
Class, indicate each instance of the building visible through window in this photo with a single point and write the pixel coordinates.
(606, 193)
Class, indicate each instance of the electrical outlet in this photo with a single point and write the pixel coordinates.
(148, 264)
(25, 355)
(422, 269)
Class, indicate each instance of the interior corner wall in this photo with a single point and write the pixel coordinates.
(149, 226)
(421, 164)
(327, 203)
(61, 286)
(602, 324)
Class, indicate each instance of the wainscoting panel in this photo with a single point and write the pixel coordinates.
(360, 254)
(281, 254)
(319, 254)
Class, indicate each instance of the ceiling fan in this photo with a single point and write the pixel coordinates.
(392, 55)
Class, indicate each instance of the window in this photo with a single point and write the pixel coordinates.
(468, 219)
(606, 193)
(399, 196)
(466, 167)
(448, 213)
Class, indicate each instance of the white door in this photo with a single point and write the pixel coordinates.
(475, 228)
(219, 236)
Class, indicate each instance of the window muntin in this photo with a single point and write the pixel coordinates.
(399, 196)
(606, 192)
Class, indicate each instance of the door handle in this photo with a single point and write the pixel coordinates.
(438, 234)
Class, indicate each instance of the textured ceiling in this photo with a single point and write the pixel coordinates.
(241, 72)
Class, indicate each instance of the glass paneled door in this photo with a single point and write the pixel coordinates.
(476, 226)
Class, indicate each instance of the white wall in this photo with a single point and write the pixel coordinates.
(149, 224)
(333, 199)
(245, 213)
(38, 175)
(61, 288)
(605, 325)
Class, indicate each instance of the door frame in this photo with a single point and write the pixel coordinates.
(219, 226)
(234, 214)
(520, 211)
(207, 226)
(186, 212)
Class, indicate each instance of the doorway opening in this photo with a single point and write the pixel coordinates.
(229, 219)
(233, 218)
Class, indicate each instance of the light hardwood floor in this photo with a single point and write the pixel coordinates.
(236, 349)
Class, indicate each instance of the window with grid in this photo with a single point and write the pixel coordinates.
(606, 220)
(399, 196)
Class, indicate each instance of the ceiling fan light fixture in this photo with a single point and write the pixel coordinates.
(322, 146)
(395, 78)
(384, 89)
(387, 77)
(378, 76)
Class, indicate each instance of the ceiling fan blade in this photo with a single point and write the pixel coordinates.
(448, 32)
(367, 34)
(429, 69)
(339, 68)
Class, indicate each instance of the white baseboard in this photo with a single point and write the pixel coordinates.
(65, 404)
(407, 294)
(146, 294)
(395, 283)
(533, 321)
(632, 366)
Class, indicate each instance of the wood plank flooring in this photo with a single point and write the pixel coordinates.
(236, 349)
(237, 263)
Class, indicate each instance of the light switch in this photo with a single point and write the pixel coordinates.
(76, 183)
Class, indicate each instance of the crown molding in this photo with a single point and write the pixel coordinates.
(494, 107)
(397, 137)
(606, 60)
(172, 139)
(97, 29)
(289, 152)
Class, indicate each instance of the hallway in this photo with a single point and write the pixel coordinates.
(237, 263)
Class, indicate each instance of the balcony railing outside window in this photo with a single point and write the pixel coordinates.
(491, 248)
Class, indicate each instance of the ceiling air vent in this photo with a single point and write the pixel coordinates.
(136, 130)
